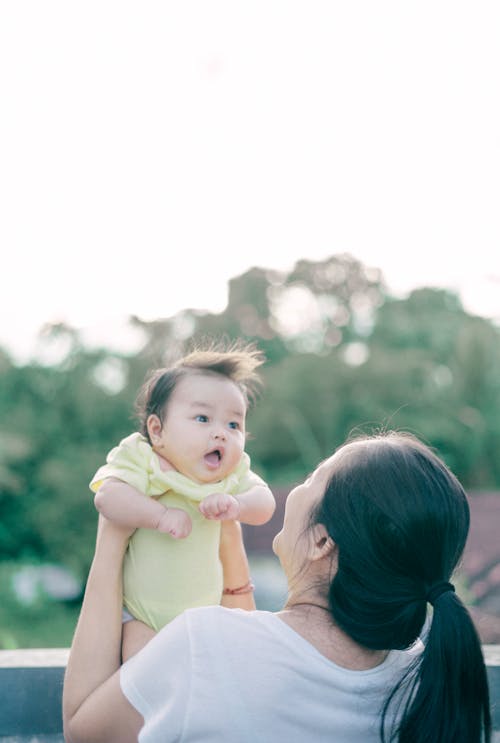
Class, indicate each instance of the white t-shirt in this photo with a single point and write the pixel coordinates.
(216, 674)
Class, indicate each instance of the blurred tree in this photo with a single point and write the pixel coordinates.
(340, 296)
(312, 308)
(57, 423)
(303, 417)
(248, 313)
(448, 360)
(429, 319)
(426, 366)
(343, 356)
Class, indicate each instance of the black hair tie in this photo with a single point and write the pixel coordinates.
(437, 590)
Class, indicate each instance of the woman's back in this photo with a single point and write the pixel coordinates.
(232, 675)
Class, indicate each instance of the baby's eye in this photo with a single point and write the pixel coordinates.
(234, 424)
(201, 418)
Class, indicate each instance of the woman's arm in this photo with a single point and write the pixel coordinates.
(236, 571)
(94, 707)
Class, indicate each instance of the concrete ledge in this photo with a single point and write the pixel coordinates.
(492, 659)
(31, 684)
(42, 739)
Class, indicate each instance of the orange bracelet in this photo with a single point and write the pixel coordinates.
(247, 588)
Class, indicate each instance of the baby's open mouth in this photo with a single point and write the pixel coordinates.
(213, 457)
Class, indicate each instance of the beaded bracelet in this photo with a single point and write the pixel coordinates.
(247, 588)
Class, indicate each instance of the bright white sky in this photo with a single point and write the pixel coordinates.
(150, 151)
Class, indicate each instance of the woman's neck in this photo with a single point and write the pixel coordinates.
(310, 616)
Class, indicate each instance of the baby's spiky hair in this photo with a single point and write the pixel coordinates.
(238, 361)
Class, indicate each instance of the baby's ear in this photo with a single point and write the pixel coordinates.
(322, 545)
(154, 426)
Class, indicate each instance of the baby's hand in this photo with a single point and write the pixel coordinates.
(220, 506)
(176, 522)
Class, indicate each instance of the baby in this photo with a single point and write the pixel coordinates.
(177, 479)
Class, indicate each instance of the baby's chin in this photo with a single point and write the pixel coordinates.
(209, 477)
(204, 475)
(212, 477)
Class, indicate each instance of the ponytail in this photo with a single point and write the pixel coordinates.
(449, 699)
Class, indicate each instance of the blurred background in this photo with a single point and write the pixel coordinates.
(343, 355)
(320, 178)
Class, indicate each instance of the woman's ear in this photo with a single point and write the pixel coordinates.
(154, 426)
(322, 543)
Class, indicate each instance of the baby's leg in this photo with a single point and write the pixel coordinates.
(135, 635)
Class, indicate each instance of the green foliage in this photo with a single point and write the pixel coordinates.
(57, 424)
(444, 364)
(342, 357)
(40, 623)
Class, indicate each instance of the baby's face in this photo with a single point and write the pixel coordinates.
(203, 432)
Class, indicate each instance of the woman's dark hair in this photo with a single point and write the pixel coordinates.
(400, 520)
(236, 361)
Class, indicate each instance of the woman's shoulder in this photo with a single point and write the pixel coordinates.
(212, 625)
(209, 631)
(218, 621)
(209, 622)
(219, 615)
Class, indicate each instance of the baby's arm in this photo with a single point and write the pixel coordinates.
(126, 506)
(238, 587)
(254, 506)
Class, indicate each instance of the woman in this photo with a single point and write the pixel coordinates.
(370, 538)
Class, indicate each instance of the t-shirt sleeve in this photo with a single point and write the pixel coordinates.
(157, 682)
(130, 461)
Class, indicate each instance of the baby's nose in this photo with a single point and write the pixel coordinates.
(219, 433)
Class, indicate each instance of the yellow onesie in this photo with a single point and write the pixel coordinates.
(163, 576)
